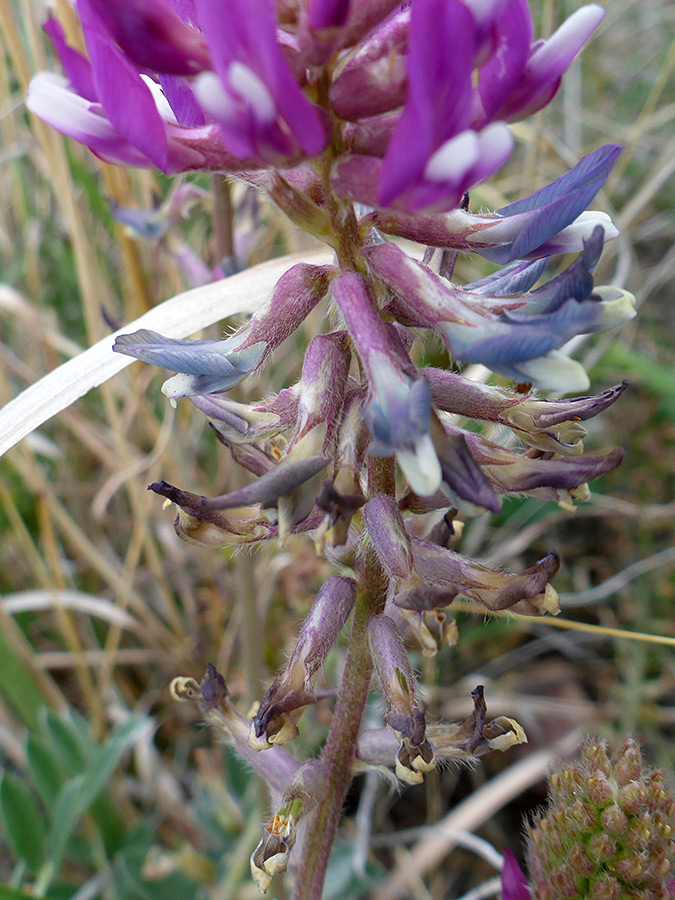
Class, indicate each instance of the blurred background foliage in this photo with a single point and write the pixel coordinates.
(109, 788)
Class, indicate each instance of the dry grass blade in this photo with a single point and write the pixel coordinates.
(77, 601)
(178, 317)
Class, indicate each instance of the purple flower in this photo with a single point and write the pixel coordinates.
(122, 116)
(212, 366)
(399, 406)
(552, 220)
(252, 92)
(514, 882)
(244, 84)
(548, 211)
(451, 133)
(434, 155)
(510, 95)
(152, 35)
(515, 335)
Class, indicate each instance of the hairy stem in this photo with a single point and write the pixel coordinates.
(338, 754)
(337, 757)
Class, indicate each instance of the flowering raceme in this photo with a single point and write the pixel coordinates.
(366, 122)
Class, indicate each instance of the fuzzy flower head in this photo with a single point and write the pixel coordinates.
(607, 832)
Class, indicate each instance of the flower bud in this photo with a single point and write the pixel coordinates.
(387, 531)
(405, 713)
(292, 690)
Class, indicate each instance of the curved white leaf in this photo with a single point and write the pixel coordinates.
(178, 317)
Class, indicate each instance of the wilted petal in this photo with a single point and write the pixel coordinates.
(237, 422)
(544, 414)
(197, 524)
(495, 590)
(473, 737)
(405, 714)
(271, 855)
(515, 472)
(476, 736)
(277, 767)
(270, 487)
(432, 628)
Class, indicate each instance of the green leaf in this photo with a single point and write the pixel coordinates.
(11, 893)
(78, 794)
(47, 776)
(23, 821)
(17, 685)
(100, 771)
(66, 743)
(65, 814)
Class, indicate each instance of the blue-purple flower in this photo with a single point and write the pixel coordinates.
(210, 366)
(399, 405)
(515, 334)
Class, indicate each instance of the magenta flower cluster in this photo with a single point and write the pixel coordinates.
(418, 94)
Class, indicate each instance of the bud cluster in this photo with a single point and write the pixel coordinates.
(607, 833)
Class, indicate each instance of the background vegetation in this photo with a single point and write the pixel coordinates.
(111, 789)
